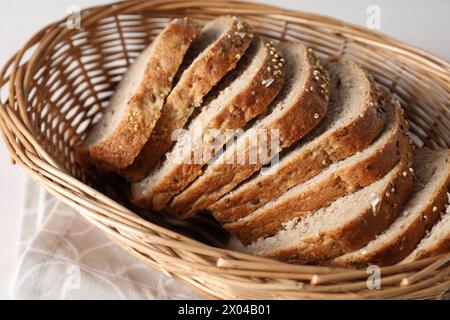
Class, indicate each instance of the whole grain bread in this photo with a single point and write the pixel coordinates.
(432, 181)
(346, 225)
(436, 242)
(216, 51)
(296, 111)
(244, 94)
(115, 141)
(341, 178)
(354, 119)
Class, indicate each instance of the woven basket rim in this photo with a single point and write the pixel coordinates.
(110, 216)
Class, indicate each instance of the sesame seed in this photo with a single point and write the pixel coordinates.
(269, 69)
(316, 72)
(282, 60)
(253, 93)
(267, 44)
(434, 209)
(276, 55)
(316, 116)
(392, 189)
(387, 194)
(405, 174)
(311, 88)
(271, 52)
(162, 95)
(280, 64)
(238, 56)
(274, 60)
(324, 162)
(276, 67)
(411, 170)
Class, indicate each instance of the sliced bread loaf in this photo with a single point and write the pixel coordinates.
(298, 109)
(346, 225)
(216, 51)
(242, 98)
(116, 140)
(341, 178)
(437, 241)
(432, 170)
(353, 120)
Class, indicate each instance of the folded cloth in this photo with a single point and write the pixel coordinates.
(63, 256)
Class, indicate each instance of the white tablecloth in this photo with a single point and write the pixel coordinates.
(62, 256)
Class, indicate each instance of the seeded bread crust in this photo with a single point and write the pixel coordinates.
(354, 234)
(405, 240)
(195, 82)
(305, 162)
(249, 100)
(336, 183)
(440, 241)
(296, 120)
(119, 149)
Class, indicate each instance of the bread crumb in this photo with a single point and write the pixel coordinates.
(267, 82)
(375, 204)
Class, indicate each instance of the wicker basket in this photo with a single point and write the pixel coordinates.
(54, 88)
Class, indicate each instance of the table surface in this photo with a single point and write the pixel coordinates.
(424, 24)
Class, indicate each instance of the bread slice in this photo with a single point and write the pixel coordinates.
(432, 169)
(437, 241)
(346, 225)
(353, 120)
(239, 101)
(116, 140)
(293, 114)
(341, 178)
(216, 51)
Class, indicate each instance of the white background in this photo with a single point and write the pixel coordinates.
(421, 23)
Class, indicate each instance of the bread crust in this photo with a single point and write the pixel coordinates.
(220, 178)
(405, 242)
(358, 232)
(252, 99)
(121, 147)
(197, 80)
(443, 246)
(322, 152)
(342, 181)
